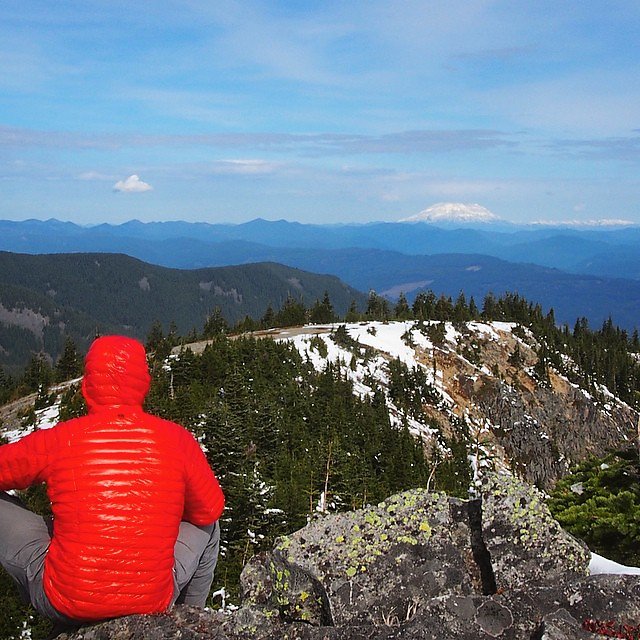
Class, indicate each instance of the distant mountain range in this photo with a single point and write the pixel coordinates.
(44, 298)
(592, 272)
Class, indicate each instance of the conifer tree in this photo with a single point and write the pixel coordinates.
(69, 364)
(37, 374)
(461, 310)
(402, 311)
(6, 386)
(352, 313)
(215, 324)
(268, 320)
(377, 307)
(424, 306)
(322, 311)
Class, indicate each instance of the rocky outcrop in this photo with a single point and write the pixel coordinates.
(419, 565)
(543, 430)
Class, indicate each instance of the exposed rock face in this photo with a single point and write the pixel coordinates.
(544, 430)
(419, 565)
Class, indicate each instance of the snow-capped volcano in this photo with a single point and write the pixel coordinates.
(454, 212)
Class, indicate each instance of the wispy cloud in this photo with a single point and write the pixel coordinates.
(244, 167)
(614, 148)
(95, 175)
(132, 184)
(419, 141)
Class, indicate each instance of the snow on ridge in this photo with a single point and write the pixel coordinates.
(389, 340)
(603, 222)
(45, 419)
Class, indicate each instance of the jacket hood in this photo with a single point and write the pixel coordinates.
(116, 373)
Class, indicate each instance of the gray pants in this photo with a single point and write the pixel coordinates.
(25, 538)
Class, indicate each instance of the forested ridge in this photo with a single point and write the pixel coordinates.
(46, 298)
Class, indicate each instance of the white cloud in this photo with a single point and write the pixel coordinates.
(132, 184)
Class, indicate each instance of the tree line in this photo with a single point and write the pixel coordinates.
(603, 356)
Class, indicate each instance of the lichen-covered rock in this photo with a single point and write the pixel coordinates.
(524, 541)
(385, 560)
(284, 591)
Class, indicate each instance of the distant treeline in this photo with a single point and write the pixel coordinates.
(606, 355)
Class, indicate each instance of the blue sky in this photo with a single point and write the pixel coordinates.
(314, 111)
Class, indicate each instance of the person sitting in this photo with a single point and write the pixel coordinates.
(135, 503)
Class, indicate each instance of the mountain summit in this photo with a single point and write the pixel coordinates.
(454, 212)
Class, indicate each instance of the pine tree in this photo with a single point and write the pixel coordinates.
(353, 314)
(6, 386)
(424, 306)
(38, 374)
(377, 307)
(69, 365)
(268, 320)
(461, 311)
(401, 310)
(215, 324)
(322, 311)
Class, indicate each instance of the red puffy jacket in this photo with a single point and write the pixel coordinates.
(120, 481)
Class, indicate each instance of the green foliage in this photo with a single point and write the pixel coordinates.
(72, 403)
(600, 503)
(215, 324)
(292, 313)
(6, 386)
(401, 310)
(37, 375)
(322, 311)
(377, 308)
(280, 435)
(69, 364)
(436, 332)
(410, 390)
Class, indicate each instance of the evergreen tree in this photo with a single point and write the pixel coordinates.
(473, 309)
(69, 364)
(377, 307)
(215, 324)
(155, 337)
(353, 315)
(6, 386)
(402, 311)
(246, 325)
(322, 311)
(268, 320)
(292, 313)
(461, 311)
(599, 502)
(38, 374)
(424, 306)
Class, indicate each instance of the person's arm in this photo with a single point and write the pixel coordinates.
(24, 462)
(204, 500)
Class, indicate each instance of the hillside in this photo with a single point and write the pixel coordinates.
(44, 298)
(591, 272)
(445, 381)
